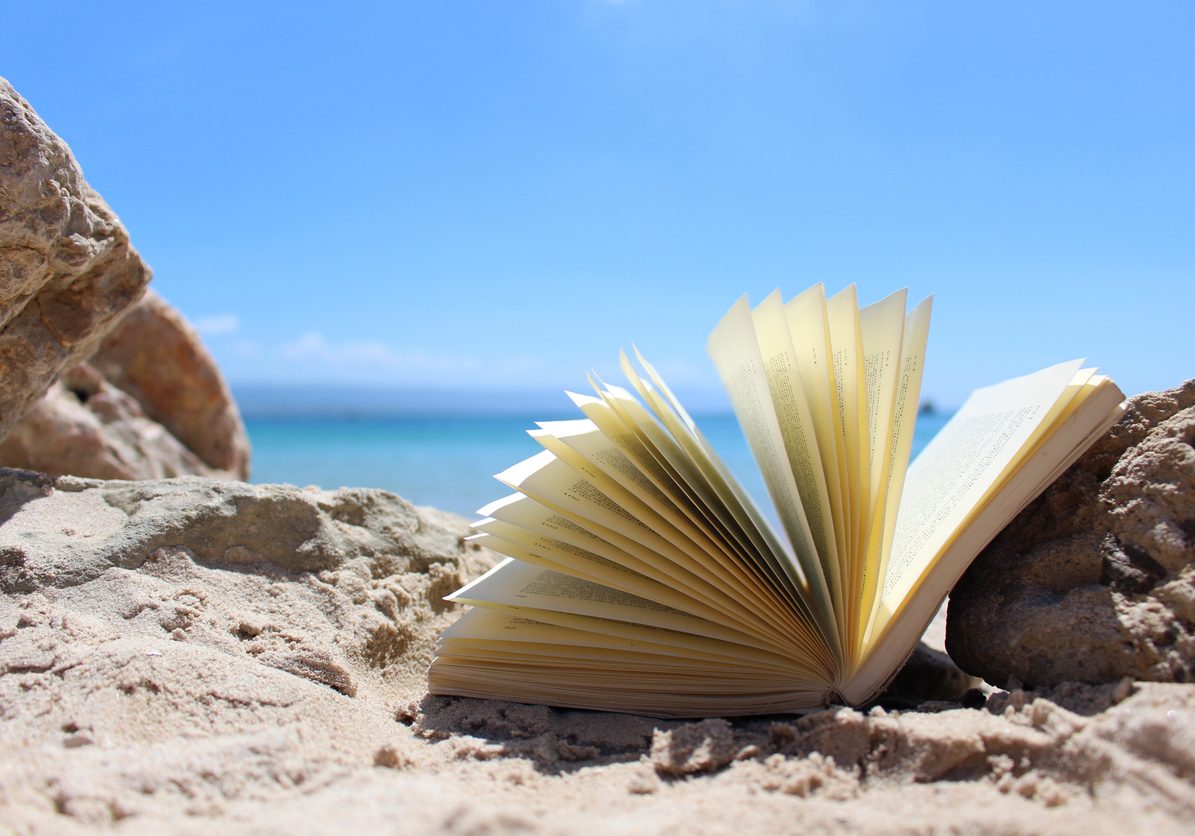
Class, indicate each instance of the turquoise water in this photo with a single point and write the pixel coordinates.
(446, 461)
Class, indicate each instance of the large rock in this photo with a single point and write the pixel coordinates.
(85, 426)
(1095, 580)
(149, 404)
(63, 532)
(158, 359)
(233, 615)
(67, 270)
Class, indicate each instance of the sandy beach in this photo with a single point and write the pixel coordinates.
(276, 683)
(184, 651)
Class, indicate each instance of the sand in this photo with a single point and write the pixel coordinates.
(190, 669)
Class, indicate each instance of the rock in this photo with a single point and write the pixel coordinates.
(67, 270)
(85, 426)
(232, 616)
(150, 404)
(159, 406)
(929, 675)
(693, 748)
(64, 532)
(158, 359)
(1094, 580)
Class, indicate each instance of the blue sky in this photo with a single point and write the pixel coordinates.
(484, 194)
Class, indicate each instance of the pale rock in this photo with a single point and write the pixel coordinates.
(693, 748)
(149, 404)
(157, 358)
(67, 269)
(85, 426)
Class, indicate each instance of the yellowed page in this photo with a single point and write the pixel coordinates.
(947, 481)
(538, 520)
(904, 418)
(882, 329)
(747, 535)
(653, 451)
(600, 663)
(896, 441)
(520, 585)
(734, 348)
(631, 667)
(589, 687)
(588, 566)
(587, 450)
(559, 627)
(552, 483)
(593, 455)
(699, 472)
(729, 492)
(722, 582)
(602, 454)
(812, 609)
(799, 435)
(806, 314)
(479, 624)
(647, 504)
(846, 342)
(1082, 420)
(524, 545)
(652, 578)
(658, 456)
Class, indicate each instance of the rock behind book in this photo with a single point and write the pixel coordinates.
(1109, 546)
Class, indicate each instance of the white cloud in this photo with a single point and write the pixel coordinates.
(246, 348)
(218, 324)
(315, 346)
(373, 357)
(311, 345)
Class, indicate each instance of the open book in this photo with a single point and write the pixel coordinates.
(642, 578)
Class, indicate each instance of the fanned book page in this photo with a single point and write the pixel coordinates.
(641, 577)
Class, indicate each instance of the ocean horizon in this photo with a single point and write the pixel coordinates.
(438, 450)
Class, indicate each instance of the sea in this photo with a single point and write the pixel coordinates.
(439, 456)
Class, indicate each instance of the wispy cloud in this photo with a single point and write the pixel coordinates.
(218, 324)
(377, 357)
(314, 346)
(246, 348)
(314, 356)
